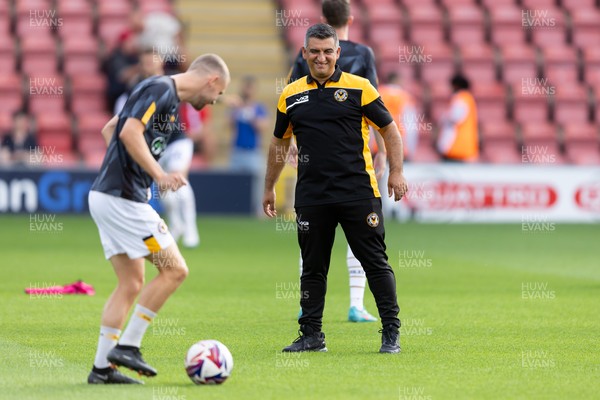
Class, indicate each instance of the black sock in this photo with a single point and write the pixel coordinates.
(124, 347)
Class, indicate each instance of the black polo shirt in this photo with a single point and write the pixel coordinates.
(330, 123)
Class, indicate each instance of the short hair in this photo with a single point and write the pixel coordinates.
(336, 12)
(210, 63)
(321, 31)
(460, 82)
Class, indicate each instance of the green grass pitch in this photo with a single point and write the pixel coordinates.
(488, 311)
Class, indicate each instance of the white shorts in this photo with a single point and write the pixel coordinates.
(178, 156)
(128, 227)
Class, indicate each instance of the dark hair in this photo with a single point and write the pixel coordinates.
(336, 12)
(460, 82)
(321, 31)
(391, 77)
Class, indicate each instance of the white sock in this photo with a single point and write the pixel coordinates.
(358, 281)
(107, 340)
(139, 322)
(187, 208)
(169, 201)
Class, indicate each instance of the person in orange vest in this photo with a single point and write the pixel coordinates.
(401, 105)
(459, 139)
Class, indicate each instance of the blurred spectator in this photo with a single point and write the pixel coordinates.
(401, 105)
(17, 144)
(121, 66)
(164, 34)
(249, 120)
(148, 65)
(459, 139)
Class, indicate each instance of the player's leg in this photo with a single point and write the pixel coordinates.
(172, 271)
(316, 233)
(358, 281)
(362, 222)
(130, 276)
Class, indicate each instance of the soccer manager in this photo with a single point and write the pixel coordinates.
(329, 112)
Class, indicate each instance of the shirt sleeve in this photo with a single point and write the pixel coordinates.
(283, 126)
(144, 103)
(373, 107)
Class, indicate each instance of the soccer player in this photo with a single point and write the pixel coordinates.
(130, 230)
(328, 112)
(357, 59)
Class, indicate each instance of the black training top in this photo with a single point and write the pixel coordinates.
(330, 123)
(153, 101)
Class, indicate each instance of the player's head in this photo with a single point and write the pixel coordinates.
(321, 50)
(212, 75)
(336, 13)
(459, 82)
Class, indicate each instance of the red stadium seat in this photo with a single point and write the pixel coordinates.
(80, 55)
(498, 140)
(5, 122)
(47, 93)
(518, 63)
(54, 132)
(571, 104)
(384, 13)
(491, 101)
(582, 143)
(546, 26)
(572, 5)
(94, 160)
(586, 29)
(87, 94)
(466, 24)
(7, 54)
(478, 62)
(436, 62)
(506, 24)
(426, 24)
(38, 55)
(389, 35)
(148, 6)
(560, 64)
(540, 144)
(591, 65)
(91, 124)
(530, 102)
(77, 18)
(110, 29)
(11, 92)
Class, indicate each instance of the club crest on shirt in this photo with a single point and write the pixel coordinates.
(158, 145)
(373, 220)
(162, 227)
(340, 95)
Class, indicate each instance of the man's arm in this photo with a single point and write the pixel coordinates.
(109, 129)
(132, 136)
(275, 162)
(397, 185)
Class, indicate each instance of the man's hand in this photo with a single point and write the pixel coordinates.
(171, 181)
(380, 164)
(269, 203)
(397, 185)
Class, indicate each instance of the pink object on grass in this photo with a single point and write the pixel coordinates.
(78, 287)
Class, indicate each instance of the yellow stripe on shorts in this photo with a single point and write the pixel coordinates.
(152, 244)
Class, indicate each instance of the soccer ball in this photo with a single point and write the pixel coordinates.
(208, 362)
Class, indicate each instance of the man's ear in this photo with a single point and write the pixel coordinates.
(350, 20)
(304, 52)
